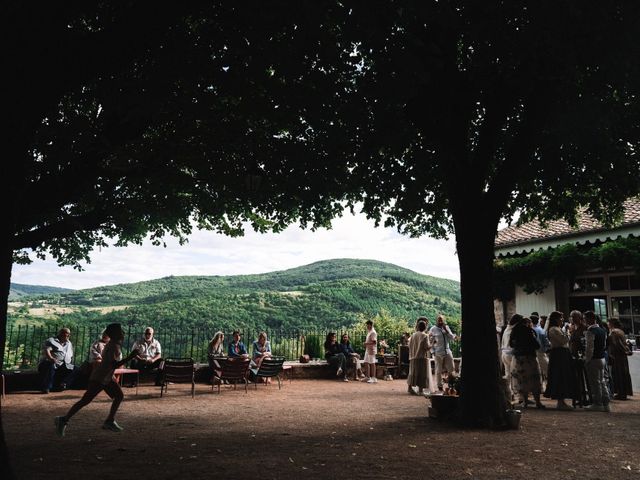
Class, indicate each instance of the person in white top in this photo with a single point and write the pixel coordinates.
(97, 347)
(57, 361)
(370, 353)
(506, 355)
(441, 336)
(149, 355)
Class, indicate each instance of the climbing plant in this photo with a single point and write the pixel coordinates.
(534, 270)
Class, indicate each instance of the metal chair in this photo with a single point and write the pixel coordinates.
(269, 368)
(178, 370)
(233, 371)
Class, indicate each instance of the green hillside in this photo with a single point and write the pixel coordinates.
(18, 291)
(320, 295)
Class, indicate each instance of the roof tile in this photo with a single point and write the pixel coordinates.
(533, 231)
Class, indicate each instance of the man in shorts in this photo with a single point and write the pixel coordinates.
(370, 345)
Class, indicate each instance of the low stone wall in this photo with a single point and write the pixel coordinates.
(25, 380)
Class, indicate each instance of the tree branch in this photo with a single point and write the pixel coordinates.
(64, 228)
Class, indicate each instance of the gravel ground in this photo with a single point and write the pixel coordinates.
(310, 429)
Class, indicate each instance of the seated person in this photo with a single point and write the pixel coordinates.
(95, 351)
(56, 362)
(261, 350)
(236, 348)
(351, 356)
(334, 356)
(215, 350)
(149, 355)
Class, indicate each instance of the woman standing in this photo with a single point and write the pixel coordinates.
(618, 352)
(526, 372)
(418, 360)
(561, 380)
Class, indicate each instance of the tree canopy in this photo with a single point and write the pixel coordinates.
(444, 115)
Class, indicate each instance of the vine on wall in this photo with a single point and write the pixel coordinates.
(534, 270)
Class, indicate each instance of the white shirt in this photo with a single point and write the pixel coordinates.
(62, 353)
(441, 340)
(95, 352)
(371, 336)
(147, 350)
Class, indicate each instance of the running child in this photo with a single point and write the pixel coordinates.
(102, 379)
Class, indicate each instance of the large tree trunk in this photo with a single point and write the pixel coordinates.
(6, 260)
(483, 401)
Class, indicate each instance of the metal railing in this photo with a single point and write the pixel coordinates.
(24, 342)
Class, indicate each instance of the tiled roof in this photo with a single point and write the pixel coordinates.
(533, 231)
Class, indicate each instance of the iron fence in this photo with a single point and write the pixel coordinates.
(24, 342)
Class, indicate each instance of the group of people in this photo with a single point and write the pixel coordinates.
(423, 345)
(343, 357)
(261, 349)
(583, 360)
(56, 365)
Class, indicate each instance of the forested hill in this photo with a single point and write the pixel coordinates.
(18, 290)
(322, 294)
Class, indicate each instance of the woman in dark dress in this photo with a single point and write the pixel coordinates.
(561, 380)
(618, 352)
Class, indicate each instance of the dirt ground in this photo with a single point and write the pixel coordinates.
(311, 429)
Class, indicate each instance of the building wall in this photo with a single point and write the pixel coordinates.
(543, 303)
(499, 311)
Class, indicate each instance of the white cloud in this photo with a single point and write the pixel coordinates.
(208, 253)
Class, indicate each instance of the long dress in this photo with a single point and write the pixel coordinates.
(418, 361)
(526, 371)
(561, 380)
(618, 351)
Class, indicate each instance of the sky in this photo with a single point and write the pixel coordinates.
(207, 253)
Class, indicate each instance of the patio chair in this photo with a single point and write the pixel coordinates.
(269, 368)
(233, 371)
(178, 370)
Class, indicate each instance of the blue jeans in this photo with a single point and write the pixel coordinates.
(49, 373)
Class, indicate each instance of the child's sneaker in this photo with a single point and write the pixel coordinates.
(61, 426)
(371, 380)
(113, 426)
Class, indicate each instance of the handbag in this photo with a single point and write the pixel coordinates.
(304, 358)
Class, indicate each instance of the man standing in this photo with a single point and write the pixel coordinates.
(541, 353)
(149, 354)
(370, 353)
(441, 336)
(596, 339)
(57, 361)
